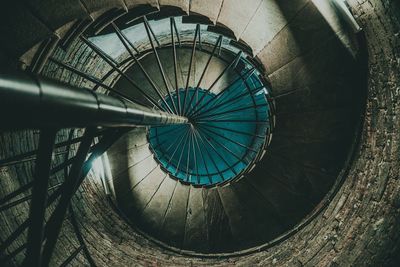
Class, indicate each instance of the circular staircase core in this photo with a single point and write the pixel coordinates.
(226, 131)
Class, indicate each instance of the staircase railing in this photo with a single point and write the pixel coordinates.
(30, 102)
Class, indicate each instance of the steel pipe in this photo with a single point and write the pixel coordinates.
(33, 102)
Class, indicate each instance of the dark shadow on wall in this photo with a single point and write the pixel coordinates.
(317, 123)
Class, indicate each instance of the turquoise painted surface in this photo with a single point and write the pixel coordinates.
(226, 132)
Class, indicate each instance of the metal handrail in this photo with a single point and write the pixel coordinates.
(34, 102)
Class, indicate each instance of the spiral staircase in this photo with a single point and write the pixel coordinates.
(248, 125)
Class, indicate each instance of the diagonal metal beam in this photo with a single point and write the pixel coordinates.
(124, 40)
(219, 40)
(174, 57)
(209, 155)
(108, 139)
(177, 138)
(22, 200)
(229, 66)
(176, 31)
(39, 198)
(159, 64)
(232, 100)
(197, 32)
(188, 153)
(56, 219)
(72, 256)
(216, 152)
(79, 237)
(31, 155)
(16, 193)
(235, 131)
(217, 96)
(218, 114)
(227, 149)
(184, 136)
(196, 166)
(202, 157)
(69, 187)
(120, 72)
(151, 30)
(14, 253)
(94, 80)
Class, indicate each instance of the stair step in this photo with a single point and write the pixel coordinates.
(182, 4)
(135, 138)
(304, 32)
(268, 222)
(97, 8)
(120, 163)
(196, 231)
(219, 232)
(56, 14)
(13, 32)
(128, 179)
(151, 220)
(236, 14)
(175, 218)
(291, 205)
(135, 201)
(270, 18)
(208, 8)
(137, 3)
(241, 221)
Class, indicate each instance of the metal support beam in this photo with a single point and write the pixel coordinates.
(231, 100)
(174, 56)
(124, 40)
(72, 256)
(31, 155)
(39, 198)
(97, 150)
(94, 80)
(209, 154)
(192, 57)
(56, 219)
(159, 64)
(99, 52)
(229, 66)
(22, 200)
(14, 253)
(16, 193)
(75, 179)
(80, 238)
(219, 40)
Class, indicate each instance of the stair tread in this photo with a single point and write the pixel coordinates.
(175, 218)
(220, 235)
(241, 221)
(151, 219)
(208, 8)
(137, 199)
(268, 223)
(196, 231)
